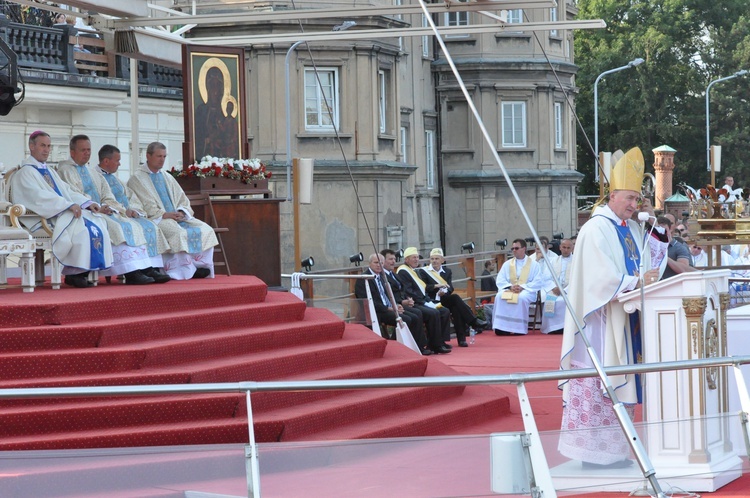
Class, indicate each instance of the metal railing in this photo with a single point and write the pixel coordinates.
(540, 468)
(465, 285)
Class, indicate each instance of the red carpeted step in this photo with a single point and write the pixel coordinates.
(109, 379)
(121, 301)
(278, 308)
(441, 417)
(397, 361)
(92, 414)
(356, 346)
(357, 405)
(210, 431)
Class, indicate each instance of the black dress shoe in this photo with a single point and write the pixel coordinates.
(80, 280)
(426, 352)
(446, 345)
(137, 278)
(556, 332)
(463, 344)
(157, 275)
(202, 273)
(441, 350)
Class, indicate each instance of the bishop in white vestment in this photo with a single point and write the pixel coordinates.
(607, 261)
(80, 240)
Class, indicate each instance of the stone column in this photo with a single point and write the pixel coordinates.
(663, 166)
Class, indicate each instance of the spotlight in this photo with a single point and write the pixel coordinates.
(469, 246)
(308, 263)
(399, 255)
(558, 236)
(356, 259)
(530, 241)
(501, 243)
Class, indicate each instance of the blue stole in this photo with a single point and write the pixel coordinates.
(88, 184)
(96, 254)
(632, 264)
(194, 239)
(149, 228)
(47, 178)
(118, 190)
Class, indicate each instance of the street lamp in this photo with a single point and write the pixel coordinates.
(633, 63)
(708, 138)
(339, 27)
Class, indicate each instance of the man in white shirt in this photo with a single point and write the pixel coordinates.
(518, 282)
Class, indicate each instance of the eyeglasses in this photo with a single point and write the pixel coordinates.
(516, 248)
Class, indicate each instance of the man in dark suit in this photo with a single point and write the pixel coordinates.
(439, 286)
(383, 307)
(437, 319)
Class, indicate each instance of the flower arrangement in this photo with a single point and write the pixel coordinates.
(243, 170)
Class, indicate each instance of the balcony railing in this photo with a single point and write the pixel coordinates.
(66, 50)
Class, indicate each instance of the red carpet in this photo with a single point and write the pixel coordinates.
(206, 331)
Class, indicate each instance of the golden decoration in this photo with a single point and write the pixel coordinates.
(227, 97)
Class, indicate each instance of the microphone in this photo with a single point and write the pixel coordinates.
(644, 216)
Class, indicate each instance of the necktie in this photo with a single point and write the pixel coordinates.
(623, 224)
(383, 295)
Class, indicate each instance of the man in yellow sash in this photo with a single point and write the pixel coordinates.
(518, 282)
(437, 319)
(439, 281)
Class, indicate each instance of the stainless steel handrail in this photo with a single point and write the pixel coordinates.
(253, 386)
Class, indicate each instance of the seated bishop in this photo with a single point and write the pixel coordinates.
(137, 243)
(191, 241)
(553, 316)
(518, 282)
(80, 238)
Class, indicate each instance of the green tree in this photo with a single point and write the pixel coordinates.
(685, 44)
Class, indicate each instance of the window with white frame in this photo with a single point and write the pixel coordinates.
(558, 125)
(553, 18)
(429, 157)
(426, 38)
(383, 100)
(322, 101)
(515, 16)
(404, 145)
(457, 18)
(514, 124)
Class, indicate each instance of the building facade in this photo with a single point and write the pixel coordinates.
(410, 147)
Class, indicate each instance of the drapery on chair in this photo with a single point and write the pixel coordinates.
(204, 200)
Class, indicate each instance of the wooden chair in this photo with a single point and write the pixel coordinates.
(204, 200)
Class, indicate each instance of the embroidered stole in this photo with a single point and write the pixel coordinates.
(194, 238)
(149, 228)
(509, 296)
(632, 266)
(47, 178)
